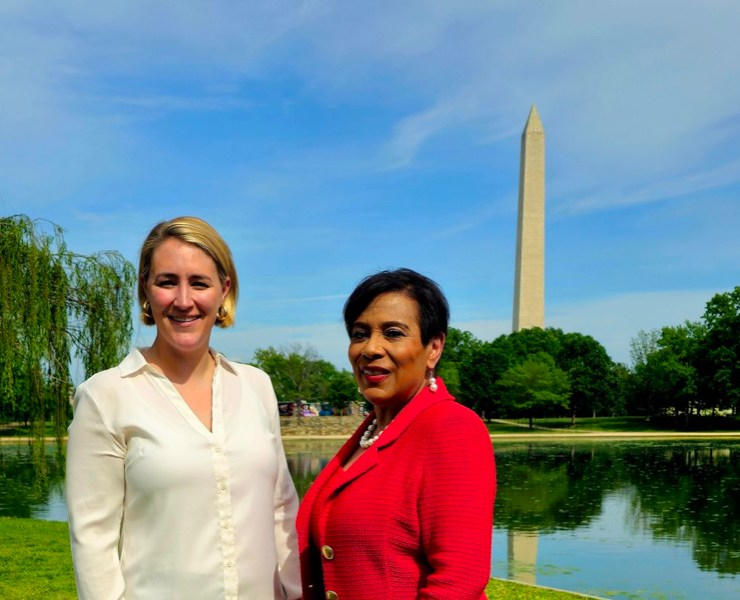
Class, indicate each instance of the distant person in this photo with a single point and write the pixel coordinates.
(405, 508)
(177, 483)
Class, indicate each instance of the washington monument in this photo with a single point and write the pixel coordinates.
(529, 276)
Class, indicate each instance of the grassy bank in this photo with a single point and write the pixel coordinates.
(35, 564)
(618, 426)
(34, 560)
(707, 423)
(342, 427)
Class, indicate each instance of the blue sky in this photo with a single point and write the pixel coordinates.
(328, 140)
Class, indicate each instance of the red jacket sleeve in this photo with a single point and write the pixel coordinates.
(456, 507)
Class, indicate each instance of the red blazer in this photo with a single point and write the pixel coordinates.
(412, 518)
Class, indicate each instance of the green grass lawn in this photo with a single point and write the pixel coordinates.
(35, 561)
(616, 425)
(543, 427)
(36, 564)
(601, 424)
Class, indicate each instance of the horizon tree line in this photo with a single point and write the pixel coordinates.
(57, 306)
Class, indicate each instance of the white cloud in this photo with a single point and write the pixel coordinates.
(412, 131)
(639, 103)
(179, 103)
(627, 90)
(664, 188)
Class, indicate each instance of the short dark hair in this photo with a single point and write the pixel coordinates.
(434, 312)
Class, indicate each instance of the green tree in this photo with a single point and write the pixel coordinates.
(664, 375)
(55, 305)
(299, 375)
(590, 372)
(526, 342)
(342, 390)
(537, 384)
(692, 367)
(621, 378)
(647, 396)
(479, 371)
(643, 345)
(642, 396)
(718, 360)
(679, 347)
(295, 372)
(458, 351)
(475, 367)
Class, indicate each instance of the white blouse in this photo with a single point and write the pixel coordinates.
(161, 507)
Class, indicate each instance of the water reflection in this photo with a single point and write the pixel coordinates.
(306, 458)
(615, 519)
(32, 481)
(680, 500)
(679, 492)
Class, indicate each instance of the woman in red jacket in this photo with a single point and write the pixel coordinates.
(405, 508)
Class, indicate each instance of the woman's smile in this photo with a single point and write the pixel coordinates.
(374, 374)
(184, 319)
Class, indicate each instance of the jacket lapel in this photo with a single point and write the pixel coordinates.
(376, 453)
(421, 402)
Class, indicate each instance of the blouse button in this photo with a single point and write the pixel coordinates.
(330, 595)
(328, 553)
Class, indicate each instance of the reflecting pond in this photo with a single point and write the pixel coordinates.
(658, 520)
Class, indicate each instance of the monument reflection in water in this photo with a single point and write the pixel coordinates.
(656, 520)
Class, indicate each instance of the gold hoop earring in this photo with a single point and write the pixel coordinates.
(146, 310)
(221, 314)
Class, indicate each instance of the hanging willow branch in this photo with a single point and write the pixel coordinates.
(52, 304)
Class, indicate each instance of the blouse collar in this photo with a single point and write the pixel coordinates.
(135, 363)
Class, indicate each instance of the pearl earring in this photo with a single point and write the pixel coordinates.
(433, 384)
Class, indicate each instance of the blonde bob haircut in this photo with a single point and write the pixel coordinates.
(191, 230)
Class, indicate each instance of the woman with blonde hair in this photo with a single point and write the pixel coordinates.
(177, 483)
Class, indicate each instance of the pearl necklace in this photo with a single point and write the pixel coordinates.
(366, 441)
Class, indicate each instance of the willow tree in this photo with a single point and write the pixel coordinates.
(55, 307)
